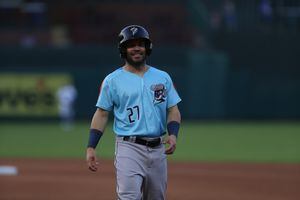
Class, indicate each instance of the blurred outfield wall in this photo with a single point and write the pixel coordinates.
(210, 87)
(247, 71)
(30, 94)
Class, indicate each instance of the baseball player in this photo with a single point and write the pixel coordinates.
(144, 102)
(66, 96)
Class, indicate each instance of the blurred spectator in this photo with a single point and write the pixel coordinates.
(230, 16)
(28, 40)
(215, 20)
(59, 36)
(66, 96)
(266, 13)
(266, 10)
(200, 41)
(293, 17)
(35, 13)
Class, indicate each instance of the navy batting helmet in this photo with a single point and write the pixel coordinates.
(134, 32)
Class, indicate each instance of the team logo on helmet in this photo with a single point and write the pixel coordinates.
(133, 30)
(159, 93)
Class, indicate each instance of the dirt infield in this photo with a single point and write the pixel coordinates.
(70, 180)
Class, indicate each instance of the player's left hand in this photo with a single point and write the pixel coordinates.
(91, 159)
(171, 141)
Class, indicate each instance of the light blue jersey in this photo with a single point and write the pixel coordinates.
(139, 103)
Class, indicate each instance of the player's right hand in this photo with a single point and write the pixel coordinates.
(91, 159)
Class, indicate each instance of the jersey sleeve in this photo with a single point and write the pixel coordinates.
(105, 96)
(173, 97)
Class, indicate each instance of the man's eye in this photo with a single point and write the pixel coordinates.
(141, 44)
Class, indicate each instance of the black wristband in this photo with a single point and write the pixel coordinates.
(94, 138)
(173, 128)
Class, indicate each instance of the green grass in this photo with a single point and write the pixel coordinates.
(198, 141)
(48, 140)
(243, 142)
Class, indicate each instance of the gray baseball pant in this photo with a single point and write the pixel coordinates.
(141, 171)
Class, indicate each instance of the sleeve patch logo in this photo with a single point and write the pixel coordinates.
(159, 93)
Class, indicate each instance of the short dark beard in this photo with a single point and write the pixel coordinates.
(136, 65)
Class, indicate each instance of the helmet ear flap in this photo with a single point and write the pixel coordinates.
(148, 48)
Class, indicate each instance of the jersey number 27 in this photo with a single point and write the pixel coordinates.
(132, 111)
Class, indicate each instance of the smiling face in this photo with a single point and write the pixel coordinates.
(136, 53)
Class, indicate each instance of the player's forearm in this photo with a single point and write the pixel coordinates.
(174, 114)
(173, 122)
(98, 124)
(100, 120)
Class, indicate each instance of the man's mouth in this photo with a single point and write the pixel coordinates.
(136, 55)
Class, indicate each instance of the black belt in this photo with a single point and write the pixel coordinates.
(149, 143)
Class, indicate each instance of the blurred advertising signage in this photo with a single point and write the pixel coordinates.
(30, 94)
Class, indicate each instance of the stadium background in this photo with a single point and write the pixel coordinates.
(234, 63)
